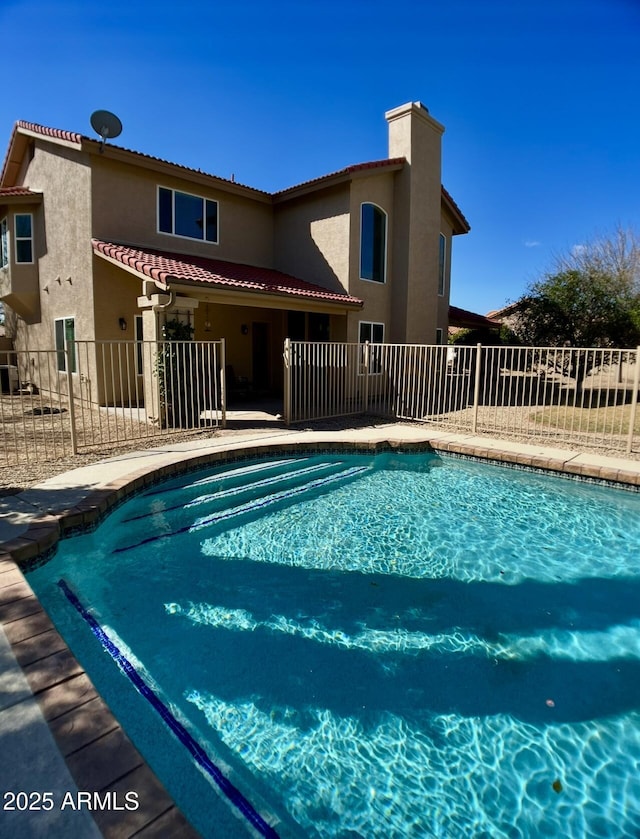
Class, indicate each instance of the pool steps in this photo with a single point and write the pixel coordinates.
(233, 488)
(228, 477)
(220, 513)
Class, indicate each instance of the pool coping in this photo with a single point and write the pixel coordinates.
(97, 752)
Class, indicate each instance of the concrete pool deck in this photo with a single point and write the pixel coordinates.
(56, 733)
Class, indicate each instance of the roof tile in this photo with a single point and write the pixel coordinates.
(18, 191)
(348, 170)
(165, 267)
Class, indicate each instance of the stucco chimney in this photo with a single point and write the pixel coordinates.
(415, 135)
(411, 127)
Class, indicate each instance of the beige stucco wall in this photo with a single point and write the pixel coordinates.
(116, 294)
(442, 321)
(235, 325)
(377, 297)
(19, 281)
(125, 210)
(62, 245)
(312, 237)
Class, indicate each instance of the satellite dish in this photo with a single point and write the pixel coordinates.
(105, 124)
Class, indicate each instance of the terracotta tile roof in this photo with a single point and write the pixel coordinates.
(348, 170)
(56, 133)
(466, 227)
(165, 268)
(74, 137)
(470, 320)
(18, 192)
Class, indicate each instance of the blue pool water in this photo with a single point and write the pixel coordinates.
(393, 646)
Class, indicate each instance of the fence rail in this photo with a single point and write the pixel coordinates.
(587, 397)
(55, 403)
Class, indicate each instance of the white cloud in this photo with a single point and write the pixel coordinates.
(532, 244)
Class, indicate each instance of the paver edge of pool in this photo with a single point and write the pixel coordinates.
(62, 689)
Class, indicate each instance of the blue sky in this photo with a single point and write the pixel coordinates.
(539, 100)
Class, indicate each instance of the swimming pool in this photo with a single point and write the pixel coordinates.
(391, 645)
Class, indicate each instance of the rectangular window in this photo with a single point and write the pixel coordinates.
(374, 334)
(65, 331)
(439, 335)
(4, 244)
(189, 216)
(139, 344)
(23, 226)
(442, 261)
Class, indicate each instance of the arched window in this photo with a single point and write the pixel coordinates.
(373, 243)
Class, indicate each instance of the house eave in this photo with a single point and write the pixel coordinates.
(343, 176)
(174, 170)
(261, 299)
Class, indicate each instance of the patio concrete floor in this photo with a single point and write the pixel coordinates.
(56, 733)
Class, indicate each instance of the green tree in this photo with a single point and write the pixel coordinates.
(591, 298)
(580, 308)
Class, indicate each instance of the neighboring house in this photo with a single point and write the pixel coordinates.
(508, 315)
(101, 243)
(464, 319)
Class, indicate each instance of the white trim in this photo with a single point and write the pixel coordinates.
(386, 244)
(371, 343)
(7, 249)
(371, 323)
(63, 319)
(173, 215)
(17, 239)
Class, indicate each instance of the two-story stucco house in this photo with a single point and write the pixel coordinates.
(98, 242)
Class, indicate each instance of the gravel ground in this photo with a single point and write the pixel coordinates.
(20, 476)
(16, 477)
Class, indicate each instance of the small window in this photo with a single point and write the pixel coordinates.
(442, 261)
(374, 334)
(189, 216)
(139, 345)
(65, 331)
(439, 335)
(373, 243)
(4, 244)
(23, 226)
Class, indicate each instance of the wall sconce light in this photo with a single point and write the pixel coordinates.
(244, 329)
(123, 324)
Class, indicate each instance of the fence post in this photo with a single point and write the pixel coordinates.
(367, 361)
(286, 355)
(634, 401)
(223, 387)
(72, 412)
(476, 388)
